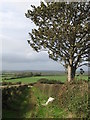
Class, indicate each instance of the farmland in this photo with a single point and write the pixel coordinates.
(34, 77)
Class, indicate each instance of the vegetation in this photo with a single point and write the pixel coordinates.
(62, 30)
(25, 102)
(35, 79)
(16, 102)
(75, 98)
(71, 101)
(10, 76)
(72, 98)
(61, 78)
(46, 81)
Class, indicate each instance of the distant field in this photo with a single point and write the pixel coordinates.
(61, 78)
(35, 79)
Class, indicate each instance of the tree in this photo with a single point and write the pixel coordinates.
(81, 71)
(62, 30)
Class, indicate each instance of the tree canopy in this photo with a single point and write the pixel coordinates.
(62, 30)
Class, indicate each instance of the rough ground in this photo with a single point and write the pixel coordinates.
(71, 101)
(72, 97)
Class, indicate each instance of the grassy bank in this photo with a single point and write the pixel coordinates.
(17, 102)
(71, 101)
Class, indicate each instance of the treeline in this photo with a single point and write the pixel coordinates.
(21, 75)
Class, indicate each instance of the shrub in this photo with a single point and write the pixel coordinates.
(7, 83)
(46, 81)
(31, 84)
(19, 83)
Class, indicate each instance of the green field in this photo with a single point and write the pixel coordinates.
(61, 78)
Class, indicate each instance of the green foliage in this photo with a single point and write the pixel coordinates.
(81, 71)
(50, 111)
(79, 106)
(61, 78)
(16, 102)
(63, 30)
(36, 78)
(18, 75)
(71, 100)
(75, 98)
(46, 81)
(11, 83)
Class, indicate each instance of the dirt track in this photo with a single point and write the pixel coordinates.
(9, 86)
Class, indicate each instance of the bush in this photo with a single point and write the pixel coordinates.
(46, 81)
(31, 84)
(74, 97)
(37, 74)
(4, 83)
(7, 83)
(19, 83)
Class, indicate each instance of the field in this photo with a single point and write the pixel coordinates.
(35, 79)
(28, 78)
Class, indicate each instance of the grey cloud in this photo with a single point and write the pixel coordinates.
(22, 62)
(33, 66)
(16, 54)
(22, 58)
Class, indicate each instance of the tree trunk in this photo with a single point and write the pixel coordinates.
(71, 72)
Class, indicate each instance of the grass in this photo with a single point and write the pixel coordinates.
(18, 102)
(61, 78)
(85, 77)
(51, 110)
(35, 79)
(71, 100)
(29, 104)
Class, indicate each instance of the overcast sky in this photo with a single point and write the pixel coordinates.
(16, 53)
